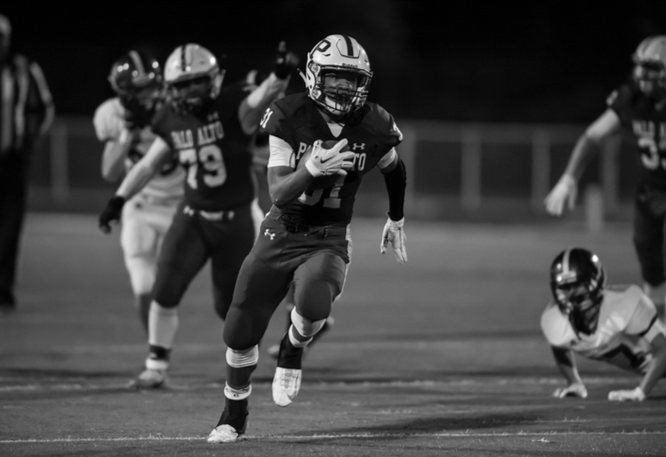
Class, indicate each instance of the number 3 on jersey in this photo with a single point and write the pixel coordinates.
(211, 161)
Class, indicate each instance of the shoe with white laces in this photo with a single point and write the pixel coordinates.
(149, 379)
(286, 384)
(232, 424)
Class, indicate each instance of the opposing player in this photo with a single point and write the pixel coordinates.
(208, 129)
(614, 324)
(122, 123)
(640, 108)
(305, 238)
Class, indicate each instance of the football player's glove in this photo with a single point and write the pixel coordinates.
(111, 213)
(394, 233)
(636, 394)
(326, 162)
(285, 63)
(563, 193)
(576, 389)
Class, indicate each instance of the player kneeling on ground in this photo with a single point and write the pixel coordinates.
(614, 324)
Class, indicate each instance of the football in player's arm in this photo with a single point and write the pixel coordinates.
(639, 107)
(612, 324)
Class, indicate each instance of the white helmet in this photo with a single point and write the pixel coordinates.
(193, 62)
(338, 54)
(650, 65)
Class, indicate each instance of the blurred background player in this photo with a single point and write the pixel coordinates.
(26, 114)
(305, 238)
(639, 107)
(122, 123)
(615, 324)
(209, 129)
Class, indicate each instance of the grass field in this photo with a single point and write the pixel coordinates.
(441, 356)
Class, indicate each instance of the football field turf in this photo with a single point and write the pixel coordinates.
(440, 356)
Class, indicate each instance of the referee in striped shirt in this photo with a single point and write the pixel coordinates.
(26, 113)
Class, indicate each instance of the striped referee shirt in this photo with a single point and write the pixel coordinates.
(27, 109)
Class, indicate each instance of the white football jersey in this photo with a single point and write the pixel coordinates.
(109, 121)
(627, 324)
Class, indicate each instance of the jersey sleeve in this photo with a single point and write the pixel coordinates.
(271, 123)
(387, 130)
(107, 123)
(556, 327)
(644, 320)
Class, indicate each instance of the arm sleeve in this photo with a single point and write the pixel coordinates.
(396, 183)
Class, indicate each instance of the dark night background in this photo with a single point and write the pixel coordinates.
(549, 61)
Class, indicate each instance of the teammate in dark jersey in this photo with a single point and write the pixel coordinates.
(639, 107)
(209, 129)
(305, 238)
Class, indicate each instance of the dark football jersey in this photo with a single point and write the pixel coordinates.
(648, 126)
(372, 133)
(214, 151)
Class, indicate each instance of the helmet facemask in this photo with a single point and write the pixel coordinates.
(650, 78)
(197, 93)
(649, 73)
(137, 80)
(194, 78)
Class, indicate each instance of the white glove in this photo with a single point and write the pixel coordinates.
(394, 233)
(636, 394)
(325, 162)
(564, 192)
(577, 389)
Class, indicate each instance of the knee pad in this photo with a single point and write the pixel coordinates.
(244, 358)
(304, 326)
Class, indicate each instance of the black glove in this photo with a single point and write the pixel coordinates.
(111, 213)
(285, 63)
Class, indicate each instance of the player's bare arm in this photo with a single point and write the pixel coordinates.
(566, 363)
(144, 170)
(253, 107)
(657, 367)
(115, 153)
(564, 192)
(137, 178)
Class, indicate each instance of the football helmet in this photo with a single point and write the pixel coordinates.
(343, 57)
(577, 280)
(193, 77)
(649, 72)
(136, 78)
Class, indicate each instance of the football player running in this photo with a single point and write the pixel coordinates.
(615, 324)
(122, 123)
(640, 108)
(208, 129)
(305, 237)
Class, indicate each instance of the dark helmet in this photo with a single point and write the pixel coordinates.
(577, 280)
(137, 79)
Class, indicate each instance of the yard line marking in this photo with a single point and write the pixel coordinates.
(334, 436)
(65, 387)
